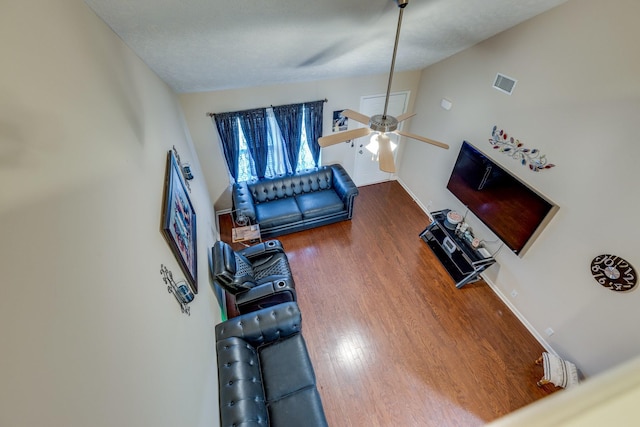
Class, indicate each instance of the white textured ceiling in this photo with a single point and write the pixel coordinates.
(207, 45)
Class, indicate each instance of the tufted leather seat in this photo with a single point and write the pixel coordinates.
(265, 374)
(259, 276)
(290, 203)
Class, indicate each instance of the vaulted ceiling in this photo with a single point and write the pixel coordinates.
(208, 45)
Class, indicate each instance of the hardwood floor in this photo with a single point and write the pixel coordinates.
(393, 342)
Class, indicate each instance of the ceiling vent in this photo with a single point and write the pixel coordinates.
(504, 84)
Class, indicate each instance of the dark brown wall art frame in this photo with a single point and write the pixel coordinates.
(179, 222)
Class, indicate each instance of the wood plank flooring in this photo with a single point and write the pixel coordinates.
(393, 342)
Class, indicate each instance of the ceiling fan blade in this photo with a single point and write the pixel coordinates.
(423, 139)
(405, 116)
(358, 117)
(339, 137)
(385, 154)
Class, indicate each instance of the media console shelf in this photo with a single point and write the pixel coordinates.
(462, 261)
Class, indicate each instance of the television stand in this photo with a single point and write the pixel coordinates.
(459, 258)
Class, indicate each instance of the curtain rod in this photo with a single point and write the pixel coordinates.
(323, 100)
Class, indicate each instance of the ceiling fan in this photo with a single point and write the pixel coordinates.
(380, 125)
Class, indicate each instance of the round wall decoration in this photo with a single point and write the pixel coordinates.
(614, 272)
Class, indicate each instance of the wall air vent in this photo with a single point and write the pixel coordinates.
(504, 84)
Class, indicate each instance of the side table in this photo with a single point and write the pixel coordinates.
(247, 233)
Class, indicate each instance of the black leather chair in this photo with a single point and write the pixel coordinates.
(258, 276)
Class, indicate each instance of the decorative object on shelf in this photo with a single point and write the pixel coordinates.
(186, 172)
(185, 169)
(452, 220)
(516, 150)
(180, 290)
(614, 272)
(179, 222)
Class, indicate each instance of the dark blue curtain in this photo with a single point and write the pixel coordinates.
(227, 125)
(313, 126)
(289, 118)
(254, 128)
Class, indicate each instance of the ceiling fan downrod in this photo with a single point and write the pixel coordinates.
(401, 4)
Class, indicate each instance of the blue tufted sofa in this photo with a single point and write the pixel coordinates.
(265, 374)
(291, 203)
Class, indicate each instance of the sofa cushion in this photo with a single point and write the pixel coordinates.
(301, 409)
(240, 382)
(278, 212)
(286, 367)
(319, 203)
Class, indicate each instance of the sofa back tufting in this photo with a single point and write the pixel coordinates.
(291, 185)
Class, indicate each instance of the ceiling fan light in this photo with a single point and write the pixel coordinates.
(373, 145)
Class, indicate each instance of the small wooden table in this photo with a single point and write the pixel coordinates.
(246, 233)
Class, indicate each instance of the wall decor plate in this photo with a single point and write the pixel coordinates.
(179, 222)
(614, 272)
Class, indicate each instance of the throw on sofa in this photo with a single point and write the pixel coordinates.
(265, 375)
(291, 203)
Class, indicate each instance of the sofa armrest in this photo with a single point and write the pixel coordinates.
(343, 184)
(264, 248)
(263, 326)
(243, 204)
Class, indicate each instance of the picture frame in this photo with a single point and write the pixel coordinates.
(340, 122)
(179, 222)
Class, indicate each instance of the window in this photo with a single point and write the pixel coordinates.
(302, 124)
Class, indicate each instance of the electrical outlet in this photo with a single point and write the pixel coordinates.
(514, 293)
(549, 332)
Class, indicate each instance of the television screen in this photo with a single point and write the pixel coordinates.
(512, 210)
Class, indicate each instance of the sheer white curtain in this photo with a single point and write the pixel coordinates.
(305, 159)
(277, 162)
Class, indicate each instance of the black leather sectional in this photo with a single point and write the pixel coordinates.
(291, 203)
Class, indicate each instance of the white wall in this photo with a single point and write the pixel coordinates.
(90, 335)
(578, 100)
(340, 94)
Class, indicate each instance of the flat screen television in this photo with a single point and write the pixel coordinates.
(511, 209)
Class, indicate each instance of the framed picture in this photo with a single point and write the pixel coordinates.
(179, 222)
(340, 122)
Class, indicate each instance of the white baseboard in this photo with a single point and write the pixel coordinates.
(519, 315)
(424, 208)
(493, 286)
